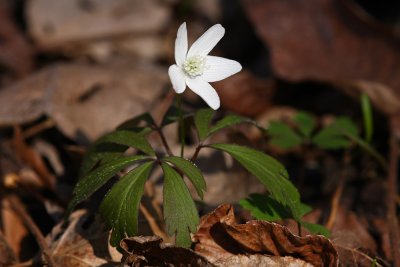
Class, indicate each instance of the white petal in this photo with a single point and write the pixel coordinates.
(219, 68)
(177, 78)
(181, 45)
(207, 41)
(205, 91)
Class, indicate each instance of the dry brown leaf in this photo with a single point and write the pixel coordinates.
(14, 229)
(16, 54)
(261, 260)
(328, 40)
(245, 94)
(220, 237)
(84, 101)
(348, 221)
(32, 159)
(352, 240)
(54, 23)
(7, 254)
(149, 251)
(83, 243)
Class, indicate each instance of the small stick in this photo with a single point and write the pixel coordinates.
(153, 224)
(16, 205)
(38, 128)
(392, 195)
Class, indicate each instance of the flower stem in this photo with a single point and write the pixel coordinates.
(181, 124)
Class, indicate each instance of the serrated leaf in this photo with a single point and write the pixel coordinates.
(180, 212)
(202, 120)
(98, 153)
(103, 150)
(134, 122)
(120, 207)
(316, 228)
(129, 138)
(333, 137)
(283, 136)
(91, 182)
(264, 207)
(268, 170)
(305, 123)
(191, 171)
(228, 121)
(172, 115)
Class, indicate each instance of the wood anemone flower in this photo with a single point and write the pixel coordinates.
(196, 69)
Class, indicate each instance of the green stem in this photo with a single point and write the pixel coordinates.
(181, 124)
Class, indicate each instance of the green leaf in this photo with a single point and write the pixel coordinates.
(191, 171)
(229, 121)
(120, 207)
(305, 123)
(316, 228)
(98, 153)
(202, 120)
(172, 115)
(367, 148)
(180, 212)
(367, 116)
(283, 136)
(134, 122)
(91, 182)
(129, 138)
(269, 171)
(264, 207)
(333, 135)
(105, 149)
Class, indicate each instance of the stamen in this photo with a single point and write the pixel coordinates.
(194, 66)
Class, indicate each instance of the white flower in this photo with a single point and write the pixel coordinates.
(195, 68)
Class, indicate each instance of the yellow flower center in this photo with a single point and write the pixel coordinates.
(194, 66)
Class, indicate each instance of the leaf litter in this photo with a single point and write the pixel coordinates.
(68, 85)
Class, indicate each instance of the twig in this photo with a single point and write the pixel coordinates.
(153, 224)
(362, 254)
(392, 195)
(16, 205)
(34, 130)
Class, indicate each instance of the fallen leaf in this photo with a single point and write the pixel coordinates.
(328, 40)
(14, 230)
(149, 251)
(58, 23)
(84, 101)
(32, 159)
(83, 243)
(8, 257)
(220, 237)
(261, 260)
(246, 94)
(16, 53)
